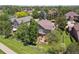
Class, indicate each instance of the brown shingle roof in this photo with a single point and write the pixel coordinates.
(46, 24)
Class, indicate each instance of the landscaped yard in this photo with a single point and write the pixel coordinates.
(18, 47)
(1, 52)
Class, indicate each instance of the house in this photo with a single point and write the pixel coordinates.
(17, 21)
(75, 32)
(71, 15)
(70, 25)
(45, 26)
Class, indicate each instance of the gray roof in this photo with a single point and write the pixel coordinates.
(22, 19)
(41, 31)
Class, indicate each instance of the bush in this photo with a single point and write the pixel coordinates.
(73, 49)
(22, 14)
(57, 39)
(54, 36)
(57, 48)
(54, 48)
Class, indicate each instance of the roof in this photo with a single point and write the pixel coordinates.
(76, 27)
(41, 31)
(71, 14)
(46, 24)
(22, 19)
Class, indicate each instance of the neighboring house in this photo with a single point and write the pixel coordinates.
(75, 32)
(29, 10)
(70, 25)
(71, 15)
(45, 26)
(17, 21)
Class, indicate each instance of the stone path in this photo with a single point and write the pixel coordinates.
(5, 49)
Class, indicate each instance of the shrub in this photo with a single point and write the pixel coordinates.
(54, 36)
(73, 49)
(54, 48)
(57, 48)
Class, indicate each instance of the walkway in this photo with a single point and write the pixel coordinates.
(6, 49)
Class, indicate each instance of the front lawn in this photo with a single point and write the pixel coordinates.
(18, 47)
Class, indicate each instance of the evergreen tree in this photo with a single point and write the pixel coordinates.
(33, 31)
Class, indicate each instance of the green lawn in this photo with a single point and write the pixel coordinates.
(67, 39)
(18, 47)
(1, 52)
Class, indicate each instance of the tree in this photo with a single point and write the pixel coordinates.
(35, 14)
(11, 10)
(5, 25)
(62, 10)
(37, 8)
(43, 15)
(22, 33)
(33, 31)
(27, 33)
(61, 21)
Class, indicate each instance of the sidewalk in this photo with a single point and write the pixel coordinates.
(5, 49)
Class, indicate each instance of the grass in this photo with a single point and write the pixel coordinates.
(1, 52)
(67, 40)
(18, 47)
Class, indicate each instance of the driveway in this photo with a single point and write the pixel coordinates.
(5, 49)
